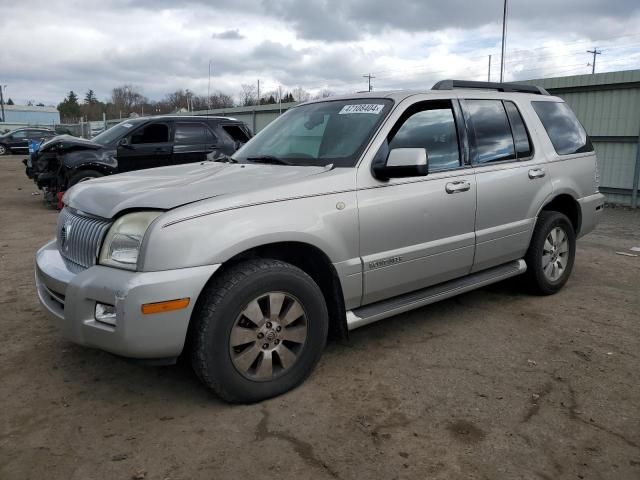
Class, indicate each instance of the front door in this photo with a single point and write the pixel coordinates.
(511, 179)
(417, 232)
(149, 146)
(19, 141)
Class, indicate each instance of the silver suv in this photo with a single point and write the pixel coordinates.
(340, 213)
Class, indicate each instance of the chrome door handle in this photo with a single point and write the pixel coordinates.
(457, 186)
(536, 173)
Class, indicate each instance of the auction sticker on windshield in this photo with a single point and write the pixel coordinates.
(362, 108)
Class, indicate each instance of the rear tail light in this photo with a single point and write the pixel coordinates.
(596, 178)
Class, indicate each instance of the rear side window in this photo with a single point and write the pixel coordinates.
(493, 139)
(190, 133)
(236, 133)
(562, 126)
(520, 135)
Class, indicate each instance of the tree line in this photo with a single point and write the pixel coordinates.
(126, 100)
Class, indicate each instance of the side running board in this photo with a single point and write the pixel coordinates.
(403, 303)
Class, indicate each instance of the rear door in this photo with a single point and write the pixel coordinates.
(511, 178)
(148, 146)
(190, 142)
(416, 232)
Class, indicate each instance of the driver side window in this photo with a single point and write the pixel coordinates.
(152, 133)
(430, 125)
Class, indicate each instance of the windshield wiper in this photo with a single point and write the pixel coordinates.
(268, 159)
(223, 159)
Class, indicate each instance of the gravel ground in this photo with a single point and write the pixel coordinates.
(493, 384)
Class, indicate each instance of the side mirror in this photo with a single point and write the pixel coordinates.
(124, 142)
(403, 162)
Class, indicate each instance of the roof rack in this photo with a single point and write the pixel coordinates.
(500, 87)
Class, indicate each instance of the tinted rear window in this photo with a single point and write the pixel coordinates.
(562, 126)
(494, 142)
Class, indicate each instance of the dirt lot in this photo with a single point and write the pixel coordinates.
(493, 384)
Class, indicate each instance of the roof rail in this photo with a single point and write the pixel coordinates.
(500, 87)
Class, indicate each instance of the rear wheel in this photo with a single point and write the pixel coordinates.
(259, 330)
(83, 176)
(4, 150)
(551, 253)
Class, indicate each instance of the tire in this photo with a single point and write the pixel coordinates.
(82, 176)
(234, 334)
(549, 265)
(4, 150)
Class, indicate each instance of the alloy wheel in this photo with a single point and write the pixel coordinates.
(555, 254)
(268, 336)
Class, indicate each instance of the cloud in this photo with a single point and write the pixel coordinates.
(228, 35)
(163, 45)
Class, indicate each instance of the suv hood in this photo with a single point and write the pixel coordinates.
(68, 143)
(170, 187)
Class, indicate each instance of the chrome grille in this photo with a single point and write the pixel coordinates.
(80, 236)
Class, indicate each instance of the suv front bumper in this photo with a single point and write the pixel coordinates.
(70, 297)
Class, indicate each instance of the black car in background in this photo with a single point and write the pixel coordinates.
(133, 144)
(17, 141)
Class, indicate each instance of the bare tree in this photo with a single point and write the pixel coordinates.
(177, 100)
(126, 99)
(324, 93)
(300, 94)
(248, 95)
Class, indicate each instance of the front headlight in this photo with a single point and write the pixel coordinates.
(122, 244)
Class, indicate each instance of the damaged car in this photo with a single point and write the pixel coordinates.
(134, 144)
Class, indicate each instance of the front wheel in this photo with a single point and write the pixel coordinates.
(551, 253)
(259, 330)
(82, 176)
(4, 150)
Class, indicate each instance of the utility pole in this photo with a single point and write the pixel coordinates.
(2, 87)
(504, 35)
(368, 77)
(258, 103)
(280, 98)
(489, 71)
(595, 52)
(209, 90)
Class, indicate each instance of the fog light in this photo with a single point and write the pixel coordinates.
(106, 314)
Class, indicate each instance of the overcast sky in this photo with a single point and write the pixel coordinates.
(48, 48)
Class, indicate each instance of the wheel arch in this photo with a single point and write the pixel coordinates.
(310, 259)
(566, 204)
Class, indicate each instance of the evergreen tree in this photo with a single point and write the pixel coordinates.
(90, 97)
(9, 102)
(69, 108)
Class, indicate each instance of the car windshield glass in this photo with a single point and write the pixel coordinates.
(331, 132)
(114, 133)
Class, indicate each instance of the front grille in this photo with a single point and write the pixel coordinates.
(80, 236)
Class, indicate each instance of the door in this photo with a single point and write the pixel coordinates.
(417, 232)
(148, 146)
(19, 141)
(190, 142)
(511, 179)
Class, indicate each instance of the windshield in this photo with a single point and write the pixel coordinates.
(332, 132)
(114, 133)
